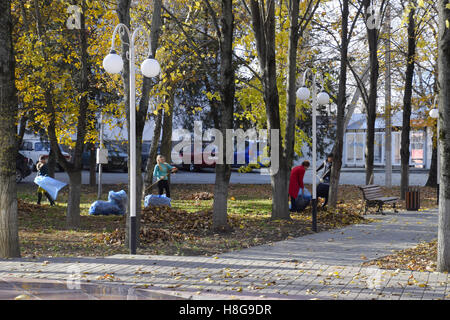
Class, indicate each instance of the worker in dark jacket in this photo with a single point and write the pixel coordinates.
(326, 166)
(324, 186)
(42, 170)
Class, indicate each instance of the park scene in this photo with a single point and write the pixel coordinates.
(225, 150)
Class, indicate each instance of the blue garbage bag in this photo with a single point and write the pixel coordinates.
(105, 208)
(306, 194)
(50, 185)
(302, 200)
(156, 200)
(116, 205)
(120, 198)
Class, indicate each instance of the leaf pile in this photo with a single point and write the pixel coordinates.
(340, 218)
(27, 207)
(176, 219)
(423, 257)
(199, 196)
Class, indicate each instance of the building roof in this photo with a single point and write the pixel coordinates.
(359, 120)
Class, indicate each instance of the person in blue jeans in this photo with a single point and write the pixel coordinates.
(161, 173)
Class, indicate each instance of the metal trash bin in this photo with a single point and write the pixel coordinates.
(412, 197)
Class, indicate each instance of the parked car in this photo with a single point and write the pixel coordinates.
(23, 167)
(117, 157)
(192, 166)
(250, 156)
(34, 149)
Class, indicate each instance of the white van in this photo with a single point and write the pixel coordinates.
(33, 149)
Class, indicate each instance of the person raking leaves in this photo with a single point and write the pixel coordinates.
(161, 173)
(42, 170)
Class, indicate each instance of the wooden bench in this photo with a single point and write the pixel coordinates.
(374, 197)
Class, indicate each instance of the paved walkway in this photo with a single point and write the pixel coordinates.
(325, 265)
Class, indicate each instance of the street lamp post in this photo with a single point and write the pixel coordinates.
(434, 113)
(322, 98)
(100, 165)
(150, 68)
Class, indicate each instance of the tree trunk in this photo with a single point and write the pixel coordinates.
(432, 174)
(166, 140)
(151, 161)
(9, 231)
(22, 126)
(443, 261)
(92, 165)
(52, 163)
(292, 84)
(263, 25)
(74, 168)
(341, 103)
(388, 100)
(73, 201)
(406, 125)
(227, 93)
(371, 107)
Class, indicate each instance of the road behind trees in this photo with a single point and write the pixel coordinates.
(207, 176)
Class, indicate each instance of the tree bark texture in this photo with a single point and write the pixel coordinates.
(227, 93)
(443, 261)
(406, 124)
(371, 107)
(263, 24)
(341, 103)
(9, 234)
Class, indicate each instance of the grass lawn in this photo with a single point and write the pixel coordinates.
(184, 229)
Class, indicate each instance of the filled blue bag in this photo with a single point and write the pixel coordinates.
(50, 185)
(116, 205)
(105, 208)
(306, 195)
(156, 201)
(120, 198)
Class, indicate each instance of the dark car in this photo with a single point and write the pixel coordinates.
(23, 167)
(117, 157)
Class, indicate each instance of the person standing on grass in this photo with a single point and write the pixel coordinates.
(42, 170)
(296, 182)
(161, 172)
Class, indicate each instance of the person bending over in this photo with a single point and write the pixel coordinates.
(296, 182)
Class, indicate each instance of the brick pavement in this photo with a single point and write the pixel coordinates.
(326, 265)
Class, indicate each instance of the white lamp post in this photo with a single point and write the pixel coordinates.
(150, 68)
(322, 98)
(434, 113)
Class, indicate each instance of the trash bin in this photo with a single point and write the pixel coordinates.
(412, 198)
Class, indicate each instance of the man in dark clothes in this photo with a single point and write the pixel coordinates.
(296, 182)
(324, 186)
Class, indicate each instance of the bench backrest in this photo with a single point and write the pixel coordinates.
(371, 192)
